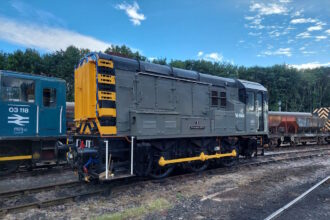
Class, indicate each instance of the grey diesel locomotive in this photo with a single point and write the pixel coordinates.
(139, 118)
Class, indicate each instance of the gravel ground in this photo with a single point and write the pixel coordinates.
(247, 193)
(22, 182)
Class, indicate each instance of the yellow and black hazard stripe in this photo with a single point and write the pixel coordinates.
(106, 98)
(324, 113)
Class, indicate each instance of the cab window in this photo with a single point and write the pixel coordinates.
(250, 101)
(49, 97)
(214, 98)
(17, 90)
(223, 99)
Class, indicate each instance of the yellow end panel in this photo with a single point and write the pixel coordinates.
(110, 96)
(106, 79)
(85, 92)
(105, 63)
(107, 112)
(106, 130)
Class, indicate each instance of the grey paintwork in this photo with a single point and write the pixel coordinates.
(161, 106)
(159, 101)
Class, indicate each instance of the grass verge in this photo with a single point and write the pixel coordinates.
(137, 212)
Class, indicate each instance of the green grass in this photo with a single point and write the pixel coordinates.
(138, 212)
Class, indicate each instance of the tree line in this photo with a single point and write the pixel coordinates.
(298, 90)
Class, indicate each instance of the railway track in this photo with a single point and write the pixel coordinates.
(50, 195)
(48, 169)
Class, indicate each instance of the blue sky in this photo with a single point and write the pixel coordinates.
(242, 32)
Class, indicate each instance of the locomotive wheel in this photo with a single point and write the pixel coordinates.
(159, 172)
(228, 147)
(198, 166)
(228, 161)
(8, 167)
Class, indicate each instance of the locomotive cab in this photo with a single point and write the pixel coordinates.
(254, 96)
(32, 118)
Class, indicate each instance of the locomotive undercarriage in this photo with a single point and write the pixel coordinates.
(155, 158)
(16, 153)
(296, 139)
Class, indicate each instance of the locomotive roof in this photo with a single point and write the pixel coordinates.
(30, 76)
(141, 66)
(252, 85)
(307, 114)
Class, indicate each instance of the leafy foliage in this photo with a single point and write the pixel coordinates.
(298, 90)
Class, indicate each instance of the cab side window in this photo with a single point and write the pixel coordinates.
(17, 90)
(214, 98)
(49, 97)
(223, 99)
(250, 103)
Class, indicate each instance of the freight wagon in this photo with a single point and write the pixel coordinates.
(296, 128)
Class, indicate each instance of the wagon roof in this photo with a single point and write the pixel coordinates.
(307, 114)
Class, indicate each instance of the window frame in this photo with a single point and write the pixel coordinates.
(214, 98)
(248, 101)
(51, 104)
(15, 78)
(223, 99)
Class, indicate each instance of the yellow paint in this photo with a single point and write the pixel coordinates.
(107, 112)
(85, 91)
(110, 96)
(10, 158)
(105, 63)
(202, 157)
(106, 79)
(87, 108)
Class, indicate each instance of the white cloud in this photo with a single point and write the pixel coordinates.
(215, 57)
(315, 28)
(327, 31)
(254, 34)
(304, 35)
(311, 65)
(308, 52)
(318, 38)
(46, 37)
(268, 9)
(297, 13)
(303, 21)
(285, 1)
(249, 18)
(132, 12)
(280, 52)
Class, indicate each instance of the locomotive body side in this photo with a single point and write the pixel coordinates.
(160, 115)
(32, 118)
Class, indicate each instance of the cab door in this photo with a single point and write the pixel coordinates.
(50, 110)
(251, 119)
(260, 111)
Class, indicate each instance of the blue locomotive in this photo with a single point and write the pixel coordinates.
(33, 111)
